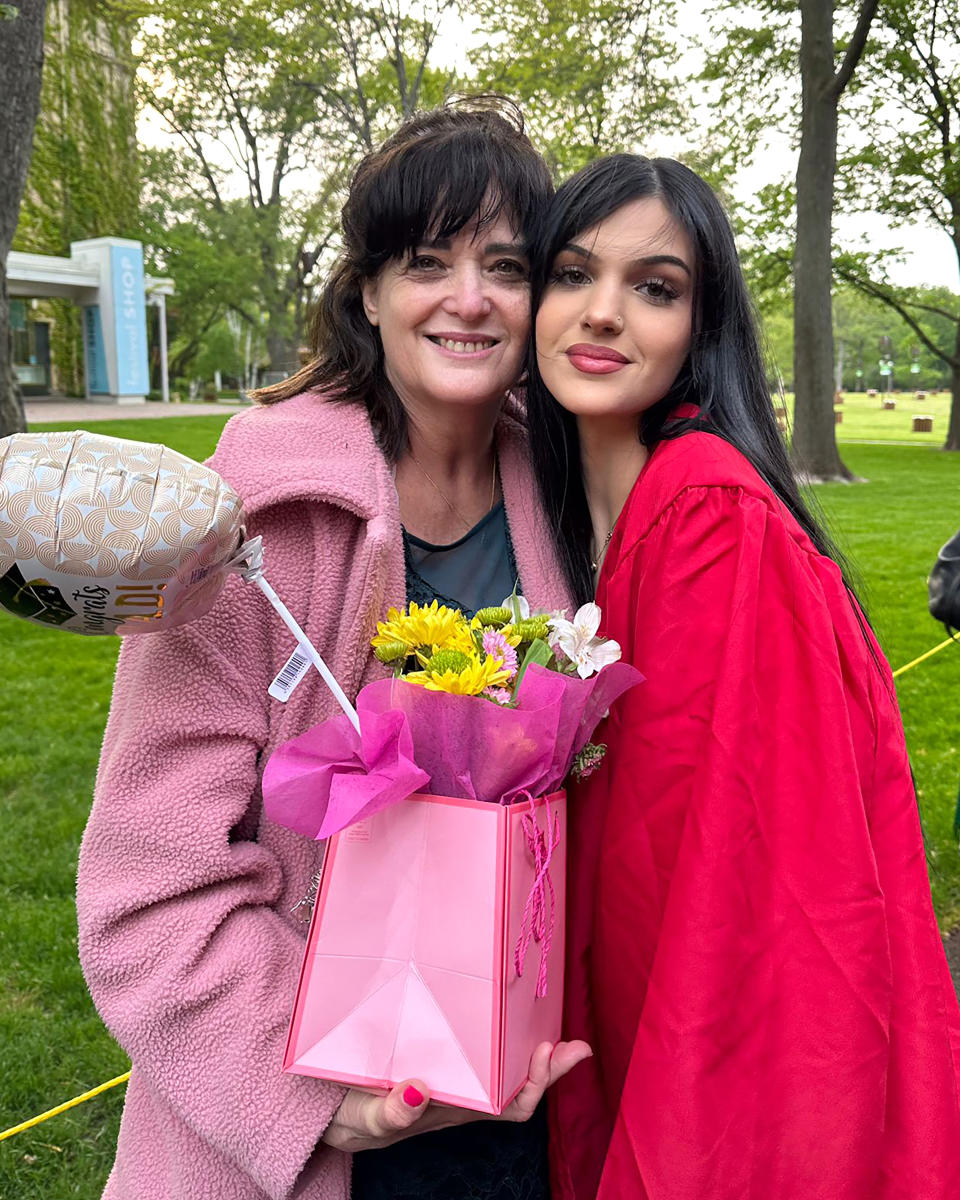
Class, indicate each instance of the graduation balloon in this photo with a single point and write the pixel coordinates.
(102, 536)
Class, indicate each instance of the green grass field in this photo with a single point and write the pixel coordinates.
(863, 417)
(56, 693)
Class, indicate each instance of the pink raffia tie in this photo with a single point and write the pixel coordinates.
(539, 911)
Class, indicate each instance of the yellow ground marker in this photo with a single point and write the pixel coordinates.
(53, 1112)
(923, 657)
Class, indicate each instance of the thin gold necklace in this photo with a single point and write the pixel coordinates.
(595, 565)
(446, 499)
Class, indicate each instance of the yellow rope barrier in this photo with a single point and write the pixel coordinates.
(929, 653)
(53, 1112)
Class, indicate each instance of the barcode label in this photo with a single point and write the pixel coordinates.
(293, 671)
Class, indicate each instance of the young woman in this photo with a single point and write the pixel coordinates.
(394, 463)
(753, 952)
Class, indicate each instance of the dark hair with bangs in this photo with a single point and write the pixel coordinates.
(440, 170)
(723, 374)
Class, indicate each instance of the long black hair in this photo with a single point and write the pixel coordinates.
(440, 170)
(723, 374)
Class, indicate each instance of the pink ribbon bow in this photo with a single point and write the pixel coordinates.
(539, 911)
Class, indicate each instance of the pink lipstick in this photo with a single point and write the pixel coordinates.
(596, 360)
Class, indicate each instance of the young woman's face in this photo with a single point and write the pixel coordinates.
(614, 325)
(454, 317)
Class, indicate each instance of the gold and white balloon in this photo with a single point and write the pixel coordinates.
(100, 535)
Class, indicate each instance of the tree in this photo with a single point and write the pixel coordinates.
(861, 325)
(752, 69)
(210, 252)
(279, 92)
(21, 69)
(593, 76)
(823, 83)
(910, 164)
(86, 117)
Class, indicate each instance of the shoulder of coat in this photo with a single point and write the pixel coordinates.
(307, 447)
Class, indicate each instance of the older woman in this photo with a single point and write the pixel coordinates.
(390, 466)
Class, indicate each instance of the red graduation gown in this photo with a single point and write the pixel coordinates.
(752, 949)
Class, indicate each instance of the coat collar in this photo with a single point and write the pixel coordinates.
(313, 448)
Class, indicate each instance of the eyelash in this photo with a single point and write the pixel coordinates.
(423, 262)
(666, 293)
(515, 271)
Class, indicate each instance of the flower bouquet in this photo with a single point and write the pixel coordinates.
(445, 866)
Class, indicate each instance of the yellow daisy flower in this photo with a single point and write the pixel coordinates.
(460, 674)
(423, 625)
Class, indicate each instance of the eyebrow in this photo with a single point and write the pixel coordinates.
(648, 260)
(490, 248)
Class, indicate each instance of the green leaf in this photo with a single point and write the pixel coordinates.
(539, 653)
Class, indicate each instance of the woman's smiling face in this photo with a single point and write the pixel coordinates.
(615, 322)
(454, 317)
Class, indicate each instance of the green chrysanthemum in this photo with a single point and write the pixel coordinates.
(495, 617)
(447, 660)
(529, 630)
(391, 652)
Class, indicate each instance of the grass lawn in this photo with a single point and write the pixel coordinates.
(52, 1044)
(863, 417)
(56, 692)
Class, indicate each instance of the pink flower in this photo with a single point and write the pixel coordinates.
(498, 695)
(497, 646)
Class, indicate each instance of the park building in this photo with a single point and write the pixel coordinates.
(104, 281)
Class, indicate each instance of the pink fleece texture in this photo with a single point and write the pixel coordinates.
(184, 892)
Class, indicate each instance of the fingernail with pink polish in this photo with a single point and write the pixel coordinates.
(412, 1097)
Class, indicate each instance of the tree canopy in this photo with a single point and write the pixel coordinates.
(253, 118)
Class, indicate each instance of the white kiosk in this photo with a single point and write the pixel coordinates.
(105, 277)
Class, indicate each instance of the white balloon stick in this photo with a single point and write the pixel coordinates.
(308, 648)
(249, 560)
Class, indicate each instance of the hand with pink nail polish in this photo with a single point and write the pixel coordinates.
(365, 1121)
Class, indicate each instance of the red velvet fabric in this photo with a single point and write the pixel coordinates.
(752, 949)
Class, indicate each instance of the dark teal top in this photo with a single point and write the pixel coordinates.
(478, 571)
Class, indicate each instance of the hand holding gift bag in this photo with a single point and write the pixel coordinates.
(436, 944)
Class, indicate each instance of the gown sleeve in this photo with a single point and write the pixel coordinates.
(771, 1004)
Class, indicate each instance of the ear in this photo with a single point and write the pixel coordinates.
(370, 292)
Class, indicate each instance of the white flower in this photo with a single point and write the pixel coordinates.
(519, 607)
(579, 642)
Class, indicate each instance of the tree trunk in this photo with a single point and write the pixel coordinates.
(281, 351)
(21, 67)
(953, 432)
(814, 439)
(12, 419)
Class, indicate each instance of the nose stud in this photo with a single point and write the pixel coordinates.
(614, 323)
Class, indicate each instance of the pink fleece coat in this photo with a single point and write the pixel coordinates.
(184, 892)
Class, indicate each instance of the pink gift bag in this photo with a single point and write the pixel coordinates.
(436, 949)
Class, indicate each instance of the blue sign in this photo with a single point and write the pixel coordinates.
(130, 319)
(97, 382)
